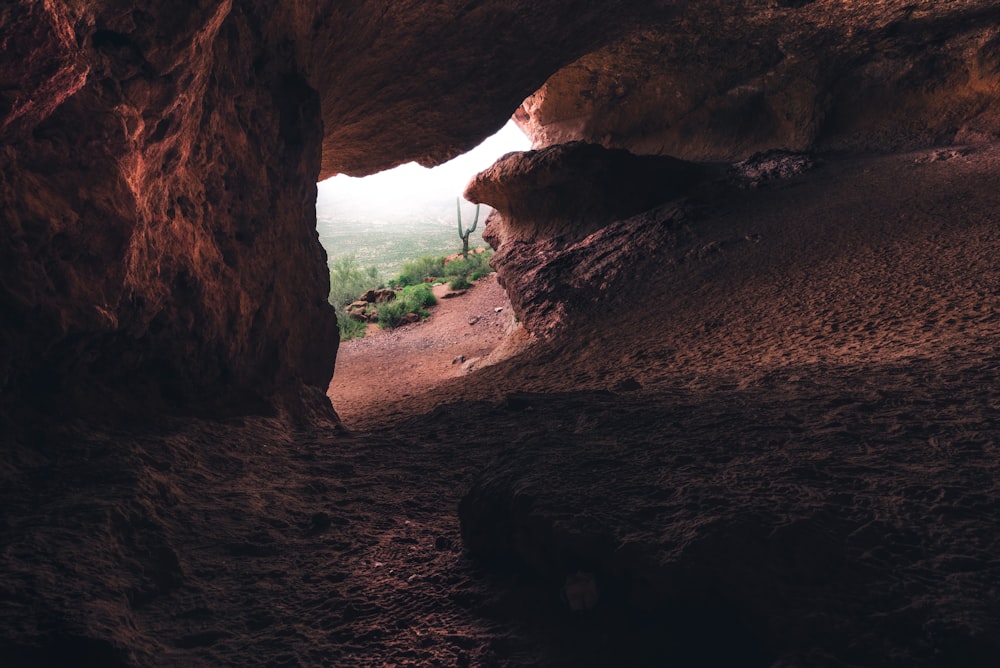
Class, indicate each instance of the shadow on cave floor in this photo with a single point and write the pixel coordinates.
(780, 450)
(732, 525)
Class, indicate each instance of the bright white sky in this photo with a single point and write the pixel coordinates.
(413, 183)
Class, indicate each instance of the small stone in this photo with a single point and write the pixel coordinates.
(458, 360)
(378, 296)
(497, 309)
(473, 320)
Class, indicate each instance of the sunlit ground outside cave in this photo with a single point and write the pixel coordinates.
(725, 394)
(399, 236)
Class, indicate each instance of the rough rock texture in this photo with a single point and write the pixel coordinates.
(720, 515)
(158, 159)
(157, 178)
(554, 226)
(739, 433)
(416, 81)
(575, 188)
(795, 75)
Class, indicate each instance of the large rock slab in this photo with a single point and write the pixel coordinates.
(159, 244)
(570, 190)
(718, 83)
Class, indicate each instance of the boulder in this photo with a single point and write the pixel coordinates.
(572, 220)
(378, 296)
(574, 189)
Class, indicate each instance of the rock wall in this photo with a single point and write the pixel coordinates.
(722, 83)
(157, 182)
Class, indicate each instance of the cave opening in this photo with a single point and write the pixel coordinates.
(410, 277)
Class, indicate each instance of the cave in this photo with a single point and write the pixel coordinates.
(750, 415)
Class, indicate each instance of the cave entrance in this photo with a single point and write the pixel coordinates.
(397, 231)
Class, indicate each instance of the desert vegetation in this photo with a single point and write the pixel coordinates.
(349, 281)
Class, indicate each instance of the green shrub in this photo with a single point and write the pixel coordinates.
(412, 299)
(390, 314)
(349, 327)
(459, 283)
(348, 281)
(417, 297)
(415, 271)
(470, 265)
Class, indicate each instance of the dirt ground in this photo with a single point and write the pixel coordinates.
(803, 423)
(377, 375)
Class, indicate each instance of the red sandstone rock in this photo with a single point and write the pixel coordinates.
(718, 83)
(553, 230)
(157, 226)
(573, 189)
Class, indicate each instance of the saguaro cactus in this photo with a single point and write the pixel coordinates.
(465, 235)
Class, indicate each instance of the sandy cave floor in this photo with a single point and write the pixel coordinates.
(843, 364)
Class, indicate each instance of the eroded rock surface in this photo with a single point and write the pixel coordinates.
(775, 482)
(563, 225)
(404, 81)
(792, 75)
(159, 242)
(570, 190)
(708, 546)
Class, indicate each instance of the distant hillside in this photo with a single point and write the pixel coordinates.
(394, 233)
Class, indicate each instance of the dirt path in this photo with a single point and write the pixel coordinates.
(377, 375)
